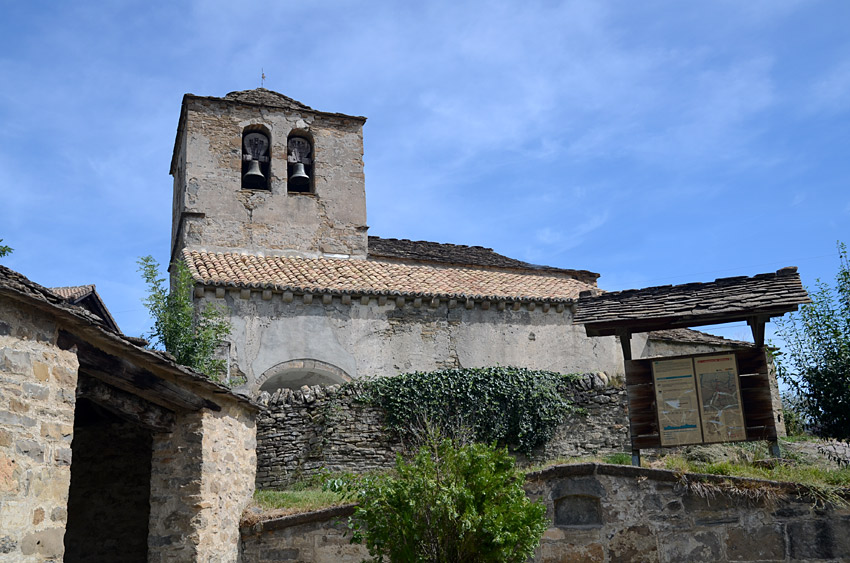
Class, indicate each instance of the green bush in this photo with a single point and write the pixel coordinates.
(511, 406)
(449, 503)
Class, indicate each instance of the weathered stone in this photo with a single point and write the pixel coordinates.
(636, 543)
(47, 543)
(762, 543)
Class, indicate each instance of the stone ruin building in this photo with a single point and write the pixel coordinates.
(112, 452)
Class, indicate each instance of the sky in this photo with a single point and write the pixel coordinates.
(654, 142)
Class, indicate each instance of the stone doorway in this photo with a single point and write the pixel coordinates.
(109, 497)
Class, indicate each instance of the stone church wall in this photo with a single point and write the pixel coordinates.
(301, 433)
(37, 396)
(377, 336)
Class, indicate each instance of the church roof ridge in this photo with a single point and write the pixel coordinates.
(461, 254)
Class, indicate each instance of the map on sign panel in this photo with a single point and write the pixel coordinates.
(720, 398)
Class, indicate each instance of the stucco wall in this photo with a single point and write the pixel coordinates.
(616, 514)
(304, 432)
(382, 338)
(37, 396)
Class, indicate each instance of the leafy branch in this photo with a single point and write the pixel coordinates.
(191, 336)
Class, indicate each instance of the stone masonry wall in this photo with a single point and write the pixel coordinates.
(37, 396)
(201, 480)
(303, 432)
(615, 514)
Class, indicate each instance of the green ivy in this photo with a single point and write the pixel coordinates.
(514, 406)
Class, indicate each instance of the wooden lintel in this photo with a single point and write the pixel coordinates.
(135, 379)
(127, 406)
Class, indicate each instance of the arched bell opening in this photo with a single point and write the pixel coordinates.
(294, 374)
(256, 159)
(299, 162)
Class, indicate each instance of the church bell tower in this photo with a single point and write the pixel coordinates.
(258, 172)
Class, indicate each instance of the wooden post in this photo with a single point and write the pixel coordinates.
(636, 458)
(757, 325)
(625, 341)
(774, 449)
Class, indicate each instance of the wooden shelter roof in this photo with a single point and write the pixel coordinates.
(694, 304)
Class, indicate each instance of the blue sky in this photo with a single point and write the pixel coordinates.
(654, 142)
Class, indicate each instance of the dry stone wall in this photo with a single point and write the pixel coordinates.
(605, 514)
(37, 396)
(303, 432)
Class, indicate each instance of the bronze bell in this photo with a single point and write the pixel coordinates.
(299, 181)
(253, 178)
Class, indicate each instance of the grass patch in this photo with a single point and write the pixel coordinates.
(294, 501)
(619, 458)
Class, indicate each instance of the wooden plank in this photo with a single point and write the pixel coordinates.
(646, 441)
(638, 372)
(132, 378)
(752, 361)
(127, 406)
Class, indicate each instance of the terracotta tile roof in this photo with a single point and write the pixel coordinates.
(74, 292)
(692, 304)
(86, 296)
(458, 254)
(373, 277)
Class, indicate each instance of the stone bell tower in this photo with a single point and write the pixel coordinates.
(259, 172)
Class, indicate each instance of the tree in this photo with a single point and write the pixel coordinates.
(4, 250)
(192, 338)
(449, 503)
(816, 354)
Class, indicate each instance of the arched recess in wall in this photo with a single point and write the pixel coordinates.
(256, 158)
(293, 374)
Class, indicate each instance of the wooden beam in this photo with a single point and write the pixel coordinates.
(127, 406)
(610, 328)
(626, 343)
(135, 379)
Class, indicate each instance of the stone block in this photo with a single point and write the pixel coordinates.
(47, 543)
(578, 510)
(40, 371)
(763, 543)
(812, 539)
(636, 544)
(680, 547)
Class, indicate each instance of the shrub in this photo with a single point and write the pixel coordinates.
(449, 503)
